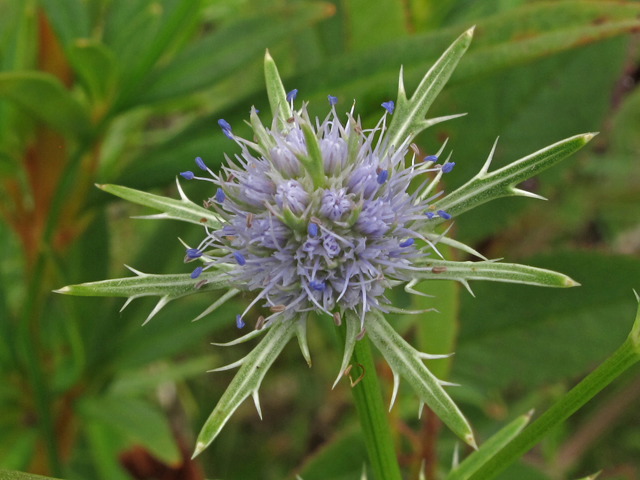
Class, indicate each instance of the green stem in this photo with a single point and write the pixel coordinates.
(623, 358)
(372, 414)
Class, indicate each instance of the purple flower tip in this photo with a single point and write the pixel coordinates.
(227, 133)
(187, 175)
(382, 176)
(388, 106)
(196, 273)
(239, 258)
(332, 100)
(447, 167)
(430, 158)
(443, 214)
(429, 215)
(407, 243)
(312, 229)
(291, 96)
(224, 125)
(200, 164)
(239, 322)
(317, 286)
(193, 253)
(219, 195)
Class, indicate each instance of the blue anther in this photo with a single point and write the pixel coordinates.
(227, 133)
(447, 167)
(443, 214)
(239, 322)
(196, 273)
(187, 175)
(200, 164)
(224, 125)
(317, 286)
(332, 100)
(193, 253)
(291, 96)
(312, 229)
(389, 106)
(382, 176)
(239, 258)
(219, 195)
(407, 243)
(430, 158)
(429, 215)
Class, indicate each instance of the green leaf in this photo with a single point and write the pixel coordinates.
(516, 335)
(247, 381)
(501, 183)
(407, 362)
(220, 54)
(409, 115)
(183, 209)
(493, 271)
(592, 477)
(369, 26)
(489, 448)
(45, 98)
(105, 444)
(69, 19)
(276, 93)
(12, 475)
(96, 67)
(167, 287)
(141, 381)
(138, 421)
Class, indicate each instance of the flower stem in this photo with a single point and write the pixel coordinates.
(372, 414)
(623, 358)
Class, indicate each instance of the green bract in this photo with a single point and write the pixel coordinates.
(303, 184)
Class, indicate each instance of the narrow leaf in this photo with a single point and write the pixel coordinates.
(489, 448)
(137, 420)
(405, 361)
(45, 98)
(492, 271)
(353, 328)
(13, 475)
(247, 381)
(276, 92)
(501, 183)
(183, 209)
(145, 285)
(409, 116)
(96, 67)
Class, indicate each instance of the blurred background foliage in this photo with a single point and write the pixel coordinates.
(129, 92)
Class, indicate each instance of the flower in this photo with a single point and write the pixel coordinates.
(323, 217)
(336, 240)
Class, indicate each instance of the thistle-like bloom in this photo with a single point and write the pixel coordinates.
(325, 217)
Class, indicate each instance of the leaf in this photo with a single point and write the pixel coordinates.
(276, 92)
(501, 183)
(247, 381)
(96, 67)
(493, 271)
(489, 448)
(338, 459)
(592, 477)
(104, 445)
(45, 98)
(183, 209)
(12, 475)
(408, 117)
(373, 26)
(406, 362)
(69, 19)
(137, 420)
(516, 335)
(167, 287)
(140, 381)
(220, 54)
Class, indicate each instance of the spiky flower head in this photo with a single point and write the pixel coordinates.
(319, 218)
(325, 217)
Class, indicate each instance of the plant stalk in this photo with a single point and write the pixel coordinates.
(372, 414)
(612, 367)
